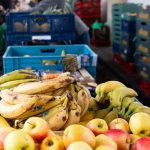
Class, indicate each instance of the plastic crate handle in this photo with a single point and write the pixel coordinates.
(51, 50)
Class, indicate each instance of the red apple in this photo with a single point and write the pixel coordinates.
(120, 137)
(142, 144)
(98, 126)
(119, 123)
(37, 127)
(52, 143)
(4, 131)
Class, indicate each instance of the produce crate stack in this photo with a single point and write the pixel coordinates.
(23, 27)
(128, 27)
(117, 11)
(88, 10)
(142, 55)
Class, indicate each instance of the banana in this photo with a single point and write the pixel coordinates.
(89, 115)
(125, 104)
(98, 89)
(17, 75)
(111, 116)
(74, 113)
(13, 111)
(44, 86)
(103, 112)
(73, 90)
(83, 123)
(57, 116)
(59, 92)
(117, 95)
(93, 104)
(83, 101)
(14, 83)
(3, 122)
(145, 109)
(13, 98)
(133, 108)
(37, 110)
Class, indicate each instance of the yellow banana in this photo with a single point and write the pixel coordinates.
(13, 98)
(13, 111)
(57, 116)
(145, 109)
(14, 83)
(41, 109)
(74, 113)
(84, 123)
(44, 86)
(101, 113)
(117, 95)
(89, 115)
(83, 101)
(93, 104)
(3, 122)
(111, 116)
(17, 75)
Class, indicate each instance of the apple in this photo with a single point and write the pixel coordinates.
(97, 126)
(119, 123)
(37, 127)
(142, 144)
(19, 140)
(79, 145)
(140, 124)
(77, 132)
(105, 147)
(134, 138)
(52, 143)
(102, 139)
(122, 138)
(4, 131)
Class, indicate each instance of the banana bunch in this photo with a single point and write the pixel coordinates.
(17, 77)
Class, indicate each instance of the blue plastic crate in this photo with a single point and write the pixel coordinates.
(143, 46)
(116, 46)
(143, 66)
(143, 12)
(19, 57)
(143, 28)
(26, 26)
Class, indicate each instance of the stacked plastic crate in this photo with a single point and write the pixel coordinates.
(128, 27)
(142, 55)
(88, 10)
(117, 11)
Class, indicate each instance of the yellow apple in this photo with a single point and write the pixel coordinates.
(52, 143)
(19, 140)
(79, 145)
(97, 126)
(140, 124)
(37, 127)
(119, 123)
(78, 133)
(4, 131)
(102, 139)
(105, 147)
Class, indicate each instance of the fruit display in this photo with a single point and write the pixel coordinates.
(61, 114)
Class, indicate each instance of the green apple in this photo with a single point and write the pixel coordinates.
(140, 124)
(19, 140)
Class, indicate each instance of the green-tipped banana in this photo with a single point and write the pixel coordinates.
(103, 112)
(111, 116)
(125, 104)
(133, 108)
(18, 75)
(118, 94)
(14, 83)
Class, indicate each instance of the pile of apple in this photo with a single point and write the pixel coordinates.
(95, 135)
